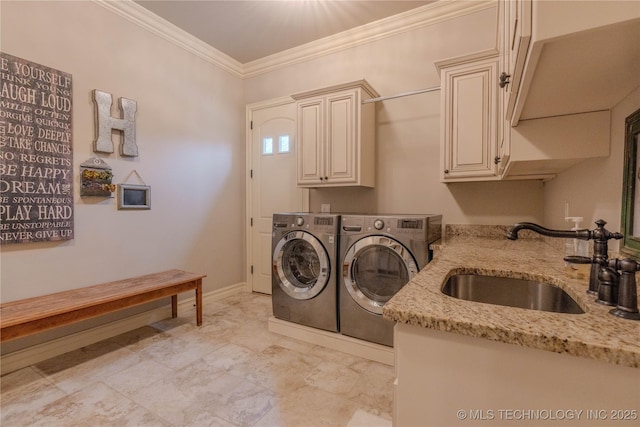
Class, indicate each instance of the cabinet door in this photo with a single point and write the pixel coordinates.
(504, 138)
(504, 122)
(342, 135)
(311, 141)
(517, 29)
(470, 113)
(336, 136)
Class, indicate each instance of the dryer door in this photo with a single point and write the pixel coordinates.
(374, 269)
(301, 264)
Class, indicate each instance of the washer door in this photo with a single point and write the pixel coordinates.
(374, 269)
(301, 263)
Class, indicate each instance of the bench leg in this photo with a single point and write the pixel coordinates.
(174, 306)
(199, 302)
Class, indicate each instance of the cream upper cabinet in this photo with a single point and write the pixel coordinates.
(563, 65)
(582, 56)
(336, 134)
(469, 132)
(515, 35)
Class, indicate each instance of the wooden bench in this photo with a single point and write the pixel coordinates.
(33, 315)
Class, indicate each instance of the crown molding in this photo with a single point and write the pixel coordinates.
(151, 22)
(430, 14)
(466, 59)
(369, 91)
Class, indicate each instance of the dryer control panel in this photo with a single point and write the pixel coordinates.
(423, 227)
(395, 225)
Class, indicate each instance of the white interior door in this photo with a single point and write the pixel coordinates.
(272, 185)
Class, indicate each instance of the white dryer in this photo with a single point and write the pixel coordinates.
(379, 255)
(304, 280)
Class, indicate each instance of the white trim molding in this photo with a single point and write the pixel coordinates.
(28, 356)
(430, 14)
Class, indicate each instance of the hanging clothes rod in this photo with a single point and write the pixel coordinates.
(399, 95)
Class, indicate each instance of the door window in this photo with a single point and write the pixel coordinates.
(267, 146)
(283, 144)
(283, 147)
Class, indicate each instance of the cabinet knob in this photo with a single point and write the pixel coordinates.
(321, 179)
(326, 178)
(504, 79)
(446, 171)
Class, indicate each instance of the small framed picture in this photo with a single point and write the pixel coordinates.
(132, 196)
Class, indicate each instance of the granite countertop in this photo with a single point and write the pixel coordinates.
(596, 334)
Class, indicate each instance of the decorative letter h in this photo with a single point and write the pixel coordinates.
(105, 123)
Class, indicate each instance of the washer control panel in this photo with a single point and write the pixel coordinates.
(310, 222)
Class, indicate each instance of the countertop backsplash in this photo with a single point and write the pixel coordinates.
(500, 232)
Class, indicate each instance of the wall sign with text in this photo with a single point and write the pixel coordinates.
(36, 156)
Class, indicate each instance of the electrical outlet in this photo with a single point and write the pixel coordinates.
(325, 208)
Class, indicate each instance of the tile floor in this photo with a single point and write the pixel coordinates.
(229, 372)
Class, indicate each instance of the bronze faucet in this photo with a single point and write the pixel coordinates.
(604, 279)
(627, 296)
(512, 234)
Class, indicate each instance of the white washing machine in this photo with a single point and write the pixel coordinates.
(304, 280)
(379, 255)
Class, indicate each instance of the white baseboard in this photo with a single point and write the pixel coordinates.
(335, 341)
(28, 356)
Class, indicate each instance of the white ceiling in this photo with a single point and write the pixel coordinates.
(247, 30)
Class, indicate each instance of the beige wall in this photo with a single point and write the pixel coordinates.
(408, 129)
(190, 135)
(593, 188)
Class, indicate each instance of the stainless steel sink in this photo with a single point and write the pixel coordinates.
(511, 292)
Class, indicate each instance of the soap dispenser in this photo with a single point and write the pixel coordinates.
(576, 247)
